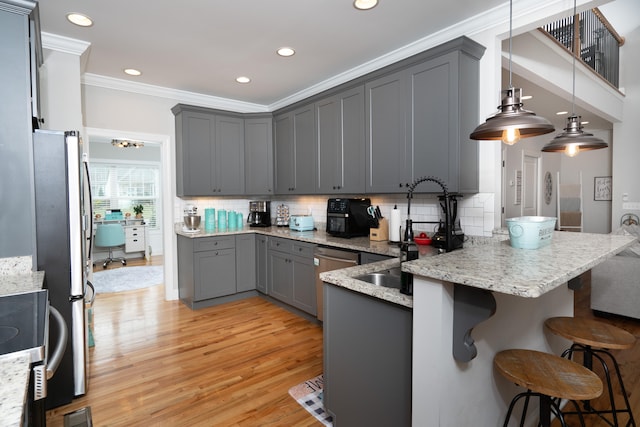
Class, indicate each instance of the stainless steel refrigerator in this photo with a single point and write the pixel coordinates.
(63, 249)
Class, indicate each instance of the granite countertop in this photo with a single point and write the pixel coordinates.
(527, 273)
(15, 277)
(14, 370)
(318, 237)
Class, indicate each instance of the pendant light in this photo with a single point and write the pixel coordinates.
(574, 140)
(512, 122)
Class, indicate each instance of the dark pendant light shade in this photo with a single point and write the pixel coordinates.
(574, 140)
(514, 119)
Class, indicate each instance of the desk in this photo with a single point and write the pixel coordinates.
(135, 235)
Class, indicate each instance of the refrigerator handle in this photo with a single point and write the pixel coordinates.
(90, 204)
(54, 361)
(93, 293)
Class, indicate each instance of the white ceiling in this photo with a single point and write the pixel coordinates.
(201, 46)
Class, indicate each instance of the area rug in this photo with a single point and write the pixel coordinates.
(127, 278)
(309, 395)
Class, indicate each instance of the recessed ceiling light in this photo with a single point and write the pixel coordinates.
(132, 71)
(586, 122)
(526, 97)
(79, 19)
(561, 113)
(365, 4)
(243, 79)
(286, 51)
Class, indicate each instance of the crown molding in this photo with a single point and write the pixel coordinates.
(64, 44)
(181, 96)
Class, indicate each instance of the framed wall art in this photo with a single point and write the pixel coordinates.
(602, 188)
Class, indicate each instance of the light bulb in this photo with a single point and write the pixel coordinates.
(510, 136)
(572, 150)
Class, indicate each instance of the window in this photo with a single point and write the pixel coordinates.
(123, 186)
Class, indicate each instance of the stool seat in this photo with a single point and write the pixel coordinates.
(548, 374)
(591, 332)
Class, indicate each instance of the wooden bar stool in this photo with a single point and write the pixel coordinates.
(594, 339)
(547, 377)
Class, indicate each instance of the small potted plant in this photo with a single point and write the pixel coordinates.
(138, 210)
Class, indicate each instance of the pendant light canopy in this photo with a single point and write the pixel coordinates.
(512, 122)
(574, 140)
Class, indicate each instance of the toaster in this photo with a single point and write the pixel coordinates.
(301, 222)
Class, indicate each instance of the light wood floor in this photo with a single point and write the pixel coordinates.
(158, 363)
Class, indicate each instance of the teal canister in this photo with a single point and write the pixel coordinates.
(209, 219)
(239, 220)
(231, 220)
(222, 219)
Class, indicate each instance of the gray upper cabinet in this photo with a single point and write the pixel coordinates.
(209, 152)
(258, 155)
(386, 151)
(16, 223)
(419, 119)
(295, 151)
(340, 134)
(442, 107)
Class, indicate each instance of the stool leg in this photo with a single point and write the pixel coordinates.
(616, 367)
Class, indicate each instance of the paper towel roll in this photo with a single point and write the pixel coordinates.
(394, 225)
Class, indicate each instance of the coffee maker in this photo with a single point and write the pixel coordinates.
(259, 213)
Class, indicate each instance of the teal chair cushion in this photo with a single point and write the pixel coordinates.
(109, 235)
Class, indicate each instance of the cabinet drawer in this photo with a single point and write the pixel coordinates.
(133, 232)
(212, 243)
(280, 244)
(303, 249)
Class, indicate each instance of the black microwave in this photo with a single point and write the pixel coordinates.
(348, 217)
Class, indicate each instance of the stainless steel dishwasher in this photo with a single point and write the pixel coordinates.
(328, 259)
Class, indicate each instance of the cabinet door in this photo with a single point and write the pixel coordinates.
(351, 166)
(229, 154)
(432, 124)
(284, 148)
(305, 151)
(330, 177)
(280, 276)
(245, 262)
(386, 165)
(215, 273)
(198, 154)
(258, 156)
(261, 264)
(304, 284)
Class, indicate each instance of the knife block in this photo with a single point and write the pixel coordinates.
(381, 233)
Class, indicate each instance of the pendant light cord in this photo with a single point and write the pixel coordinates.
(510, 39)
(573, 52)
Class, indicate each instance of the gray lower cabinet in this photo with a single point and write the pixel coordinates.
(340, 134)
(261, 263)
(206, 268)
(245, 262)
(258, 155)
(295, 151)
(367, 359)
(291, 273)
(209, 152)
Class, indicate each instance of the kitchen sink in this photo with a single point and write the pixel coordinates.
(389, 278)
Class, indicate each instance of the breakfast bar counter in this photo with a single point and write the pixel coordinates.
(470, 304)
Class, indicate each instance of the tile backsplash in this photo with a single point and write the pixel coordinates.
(476, 211)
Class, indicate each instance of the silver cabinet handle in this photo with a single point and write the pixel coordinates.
(54, 361)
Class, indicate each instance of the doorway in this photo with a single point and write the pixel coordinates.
(530, 183)
(127, 177)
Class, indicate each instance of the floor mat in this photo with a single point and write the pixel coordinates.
(309, 395)
(127, 278)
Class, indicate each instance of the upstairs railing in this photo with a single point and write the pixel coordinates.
(595, 39)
